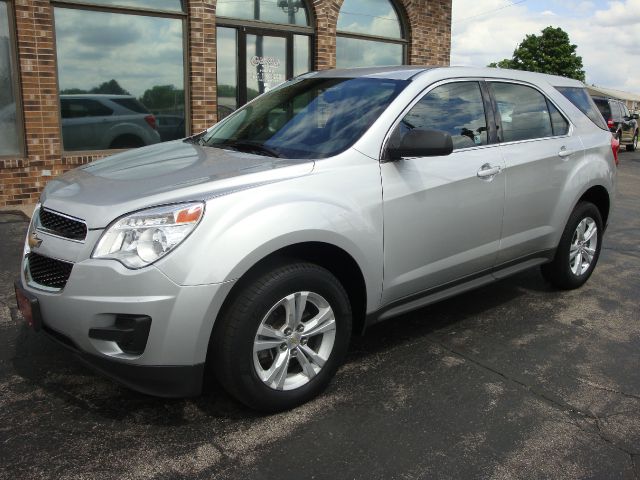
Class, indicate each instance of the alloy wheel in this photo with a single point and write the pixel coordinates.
(583, 246)
(294, 340)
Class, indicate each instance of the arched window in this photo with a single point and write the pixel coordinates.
(260, 43)
(373, 38)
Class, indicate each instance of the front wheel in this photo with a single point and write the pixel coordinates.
(578, 250)
(283, 337)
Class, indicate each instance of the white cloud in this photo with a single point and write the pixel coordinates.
(608, 39)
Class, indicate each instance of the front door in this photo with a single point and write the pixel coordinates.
(443, 215)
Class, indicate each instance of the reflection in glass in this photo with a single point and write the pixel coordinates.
(172, 5)
(301, 55)
(380, 19)
(227, 49)
(307, 118)
(266, 63)
(291, 12)
(9, 131)
(523, 112)
(355, 52)
(121, 79)
(455, 108)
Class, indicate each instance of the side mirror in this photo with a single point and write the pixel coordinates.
(421, 143)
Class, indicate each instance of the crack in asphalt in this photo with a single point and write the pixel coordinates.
(556, 402)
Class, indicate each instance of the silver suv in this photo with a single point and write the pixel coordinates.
(254, 250)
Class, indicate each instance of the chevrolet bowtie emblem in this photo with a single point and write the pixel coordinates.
(34, 240)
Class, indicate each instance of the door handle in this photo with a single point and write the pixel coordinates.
(488, 171)
(564, 153)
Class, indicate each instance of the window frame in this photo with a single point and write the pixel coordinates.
(489, 112)
(15, 79)
(548, 101)
(404, 33)
(287, 31)
(143, 12)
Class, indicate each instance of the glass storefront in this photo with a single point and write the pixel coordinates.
(121, 77)
(369, 34)
(256, 57)
(10, 128)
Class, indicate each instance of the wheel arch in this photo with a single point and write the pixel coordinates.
(335, 259)
(599, 196)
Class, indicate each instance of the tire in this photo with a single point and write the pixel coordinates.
(564, 272)
(633, 146)
(246, 363)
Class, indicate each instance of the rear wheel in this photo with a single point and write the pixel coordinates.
(579, 249)
(283, 337)
(634, 144)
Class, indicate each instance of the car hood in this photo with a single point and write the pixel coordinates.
(164, 173)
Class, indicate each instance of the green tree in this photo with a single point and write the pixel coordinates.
(112, 87)
(551, 52)
(162, 98)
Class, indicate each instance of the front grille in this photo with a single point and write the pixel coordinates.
(62, 225)
(48, 271)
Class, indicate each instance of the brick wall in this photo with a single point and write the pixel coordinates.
(22, 178)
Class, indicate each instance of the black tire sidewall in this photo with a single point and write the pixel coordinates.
(247, 312)
(582, 211)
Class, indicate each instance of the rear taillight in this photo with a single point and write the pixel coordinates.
(615, 146)
(151, 120)
(610, 123)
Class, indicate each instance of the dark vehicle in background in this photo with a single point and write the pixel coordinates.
(170, 127)
(622, 124)
(101, 122)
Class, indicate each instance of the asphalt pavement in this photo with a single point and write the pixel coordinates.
(514, 380)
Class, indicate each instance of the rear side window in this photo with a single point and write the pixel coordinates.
(523, 112)
(130, 104)
(582, 100)
(559, 124)
(82, 107)
(456, 108)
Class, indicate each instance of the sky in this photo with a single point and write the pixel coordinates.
(607, 34)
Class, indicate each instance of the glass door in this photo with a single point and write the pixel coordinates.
(252, 61)
(266, 63)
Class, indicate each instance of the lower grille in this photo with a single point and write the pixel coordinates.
(48, 271)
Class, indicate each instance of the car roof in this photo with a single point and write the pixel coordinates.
(409, 72)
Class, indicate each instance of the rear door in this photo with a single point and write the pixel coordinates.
(442, 215)
(539, 147)
(628, 125)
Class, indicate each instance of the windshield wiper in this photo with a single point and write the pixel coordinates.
(248, 146)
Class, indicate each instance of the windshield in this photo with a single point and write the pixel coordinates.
(306, 118)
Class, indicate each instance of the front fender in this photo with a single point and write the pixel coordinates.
(242, 228)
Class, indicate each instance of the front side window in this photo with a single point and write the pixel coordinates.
(119, 75)
(10, 128)
(369, 34)
(306, 118)
(456, 108)
(523, 112)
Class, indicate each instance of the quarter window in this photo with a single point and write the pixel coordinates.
(523, 112)
(456, 108)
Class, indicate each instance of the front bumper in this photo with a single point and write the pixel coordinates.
(99, 292)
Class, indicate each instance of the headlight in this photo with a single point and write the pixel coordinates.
(139, 239)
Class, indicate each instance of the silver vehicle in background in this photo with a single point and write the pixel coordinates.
(101, 122)
(254, 250)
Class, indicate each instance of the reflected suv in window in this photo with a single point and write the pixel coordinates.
(253, 251)
(101, 122)
(622, 123)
